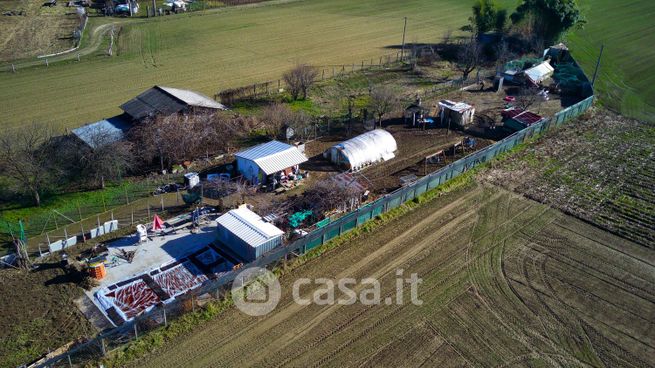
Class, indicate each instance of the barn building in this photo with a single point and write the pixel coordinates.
(166, 101)
(246, 234)
(262, 163)
(363, 150)
(102, 132)
(455, 113)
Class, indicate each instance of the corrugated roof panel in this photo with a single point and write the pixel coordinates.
(152, 102)
(273, 156)
(102, 132)
(249, 226)
(192, 98)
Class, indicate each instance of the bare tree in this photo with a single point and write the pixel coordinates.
(25, 160)
(527, 96)
(383, 101)
(176, 138)
(327, 195)
(469, 56)
(274, 118)
(300, 79)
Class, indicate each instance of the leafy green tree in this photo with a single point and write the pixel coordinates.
(486, 17)
(550, 18)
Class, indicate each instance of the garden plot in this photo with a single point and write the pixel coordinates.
(600, 168)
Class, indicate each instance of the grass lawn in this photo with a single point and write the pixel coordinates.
(222, 49)
(214, 50)
(626, 81)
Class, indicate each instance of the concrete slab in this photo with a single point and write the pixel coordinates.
(152, 254)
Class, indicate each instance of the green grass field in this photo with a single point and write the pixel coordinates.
(626, 80)
(234, 47)
(223, 49)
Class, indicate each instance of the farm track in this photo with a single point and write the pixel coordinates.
(506, 282)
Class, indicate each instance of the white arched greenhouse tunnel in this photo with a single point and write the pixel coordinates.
(363, 150)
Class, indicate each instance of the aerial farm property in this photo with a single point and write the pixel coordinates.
(440, 152)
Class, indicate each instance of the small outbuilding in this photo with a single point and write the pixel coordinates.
(246, 234)
(518, 119)
(166, 101)
(539, 73)
(363, 150)
(457, 113)
(416, 113)
(262, 163)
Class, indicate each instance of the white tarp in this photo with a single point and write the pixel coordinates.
(540, 72)
(111, 226)
(376, 145)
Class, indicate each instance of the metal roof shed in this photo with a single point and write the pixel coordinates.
(459, 113)
(365, 149)
(102, 132)
(518, 119)
(258, 162)
(247, 234)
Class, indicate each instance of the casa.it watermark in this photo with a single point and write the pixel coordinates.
(257, 291)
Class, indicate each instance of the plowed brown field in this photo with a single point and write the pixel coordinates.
(506, 282)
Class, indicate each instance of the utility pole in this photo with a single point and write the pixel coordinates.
(402, 55)
(593, 81)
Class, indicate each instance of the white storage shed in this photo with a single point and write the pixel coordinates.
(539, 73)
(246, 234)
(363, 150)
(458, 113)
(260, 162)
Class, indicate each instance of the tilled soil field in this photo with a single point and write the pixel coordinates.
(600, 168)
(506, 282)
(38, 314)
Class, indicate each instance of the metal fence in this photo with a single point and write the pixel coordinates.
(216, 289)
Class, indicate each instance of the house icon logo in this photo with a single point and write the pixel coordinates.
(256, 291)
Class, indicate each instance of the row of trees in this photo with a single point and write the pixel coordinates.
(534, 24)
(549, 19)
(35, 160)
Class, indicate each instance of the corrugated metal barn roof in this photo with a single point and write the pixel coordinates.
(192, 98)
(526, 118)
(165, 100)
(249, 226)
(102, 132)
(273, 156)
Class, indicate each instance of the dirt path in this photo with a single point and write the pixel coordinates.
(503, 285)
